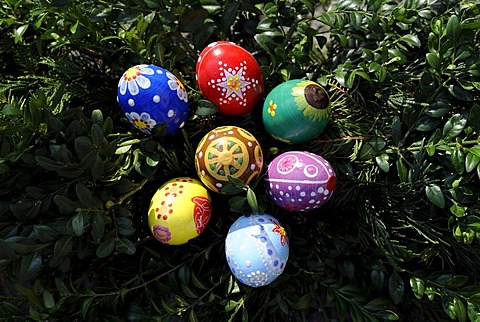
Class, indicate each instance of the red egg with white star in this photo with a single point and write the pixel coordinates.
(230, 77)
(179, 211)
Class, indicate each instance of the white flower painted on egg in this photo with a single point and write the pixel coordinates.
(176, 85)
(133, 79)
(143, 122)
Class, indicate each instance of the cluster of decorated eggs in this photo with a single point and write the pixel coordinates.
(296, 111)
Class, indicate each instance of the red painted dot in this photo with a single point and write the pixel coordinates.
(174, 194)
(163, 202)
(174, 184)
(170, 211)
(184, 180)
(159, 216)
(181, 186)
(167, 194)
(181, 191)
(170, 205)
(165, 217)
(167, 188)
(156, 209)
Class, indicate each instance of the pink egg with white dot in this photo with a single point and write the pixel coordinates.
(300, 181)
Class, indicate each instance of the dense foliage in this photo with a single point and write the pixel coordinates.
(399, 239)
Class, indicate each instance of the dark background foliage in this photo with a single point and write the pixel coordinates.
(399, 239)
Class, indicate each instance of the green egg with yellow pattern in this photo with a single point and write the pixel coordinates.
(296, 111)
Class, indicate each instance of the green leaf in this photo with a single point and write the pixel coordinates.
(6, 250)
(97, 117)
(30, 265)
(460, 310)
(18, 33)
(473, 310)
(382, 161)
(98, 138)
(377, 277)
(45, 233)
(48, 300)
(252, 201)
(471, 161)
(412, 40)
(435, 195)
(63, 247)
(460, 93)
(473, 222)
(78, 224)
(402, 171)
(458, 210)
(126, 246)
(98, 227)
(105, 248)
(229, 14)
(396, 287)
(418, 286)
(85, 305)
(458, 159)
(453, 28)
(454, 127)
(433, 59)
(62, 289)
(84, 195)
(192, 317)
(65, 205)
(10, 110)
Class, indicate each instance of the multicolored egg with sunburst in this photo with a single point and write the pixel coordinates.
(228, 151)
(296, 111)
(256, 248)
(230, 77)
(300, 181)
(151, 96)
(179, 211)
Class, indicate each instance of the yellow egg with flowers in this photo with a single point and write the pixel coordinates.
(179, 211)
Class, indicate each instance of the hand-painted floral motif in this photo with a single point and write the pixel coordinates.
(176, 85)
(287, 164)
(133, 78)
(272, 107)
(162, 233)
(312, 99)
(280, 230)
(143, 122)
(201, 212)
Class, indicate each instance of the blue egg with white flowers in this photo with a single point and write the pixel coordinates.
(151, 96)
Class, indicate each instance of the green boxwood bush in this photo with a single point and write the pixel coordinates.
(399, 239)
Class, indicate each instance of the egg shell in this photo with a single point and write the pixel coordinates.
(296, 111)
(300, 181)
(224, 151)
(230, 77)
(179, 211)
(256, 249)
(151, 96)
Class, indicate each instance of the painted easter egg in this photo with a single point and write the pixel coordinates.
(300, 181)
(230, 77)
(179, 211)
(296, 111)
(151, 96)
(256, 249)
(228, 151)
